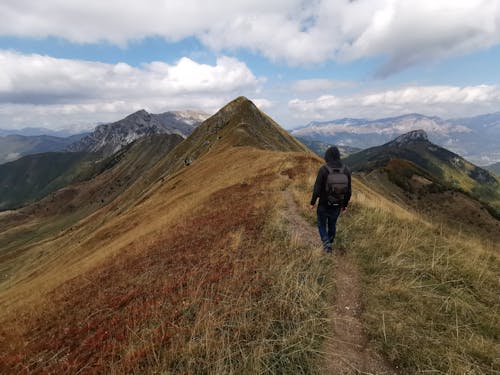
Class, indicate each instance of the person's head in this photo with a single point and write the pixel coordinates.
(332, 154)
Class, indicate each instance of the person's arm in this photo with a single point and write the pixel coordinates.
(317, 186)
(347, 196)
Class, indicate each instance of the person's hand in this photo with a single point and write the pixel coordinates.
(311, 206)
(344, 210)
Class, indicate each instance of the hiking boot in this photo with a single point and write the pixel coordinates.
(328, 250)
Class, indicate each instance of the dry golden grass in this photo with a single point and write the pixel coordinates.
(191, 279)
(431, 301)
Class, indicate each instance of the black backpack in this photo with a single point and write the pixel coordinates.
(337, 184)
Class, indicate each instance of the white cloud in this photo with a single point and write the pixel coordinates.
(263, 104)
(445, 101)
(318, 84)
(296, 31)
(56, 91)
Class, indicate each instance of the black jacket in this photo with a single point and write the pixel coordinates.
(320, 184)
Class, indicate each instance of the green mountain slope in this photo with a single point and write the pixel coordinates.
(34, 176)
(13, 147)
(445, 169)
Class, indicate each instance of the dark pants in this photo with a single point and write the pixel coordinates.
(327, 223)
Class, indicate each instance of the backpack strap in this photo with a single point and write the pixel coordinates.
(330, 169)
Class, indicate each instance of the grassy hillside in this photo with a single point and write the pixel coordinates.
(34, 176)
(13, 147)
(57, 212)
(440, 166)
(166, 292)
(430, 300)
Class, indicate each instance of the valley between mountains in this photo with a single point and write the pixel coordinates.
(199, 256)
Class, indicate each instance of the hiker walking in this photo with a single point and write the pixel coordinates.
(333, 188)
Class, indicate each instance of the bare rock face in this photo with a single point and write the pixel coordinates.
(109, 138)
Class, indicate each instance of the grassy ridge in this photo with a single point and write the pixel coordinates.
(431, 293)
(236, 296)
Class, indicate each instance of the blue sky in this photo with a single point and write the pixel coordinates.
(71, 65)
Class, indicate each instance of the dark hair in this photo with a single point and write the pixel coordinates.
(332, 154)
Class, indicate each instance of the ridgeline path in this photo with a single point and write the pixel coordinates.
(347, 350)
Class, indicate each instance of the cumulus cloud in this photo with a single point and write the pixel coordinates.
(51, 89)
(298, 32)
(446, 101)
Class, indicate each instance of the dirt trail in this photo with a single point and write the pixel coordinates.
(347, 350)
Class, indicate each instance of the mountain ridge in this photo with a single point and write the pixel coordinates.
(15, 146)
(444, 168)
(107, 139)
(475, 138)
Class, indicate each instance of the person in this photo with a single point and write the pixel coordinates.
(330, 204)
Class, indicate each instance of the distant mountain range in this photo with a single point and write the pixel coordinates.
(319, 147)
(14, 146)
(30, 132)
(104, 140)
(107, 139)
(140, 139)
(495, 167)
(475, 138)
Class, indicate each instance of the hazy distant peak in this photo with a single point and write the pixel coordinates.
(191, 115)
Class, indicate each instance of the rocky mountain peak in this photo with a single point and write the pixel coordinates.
(109, 138)
(413, 136)
(140, 114)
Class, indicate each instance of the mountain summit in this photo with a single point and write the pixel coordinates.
(238, 124)
(109, 138)
(426, 159)
(413, 136)
(243, 124)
